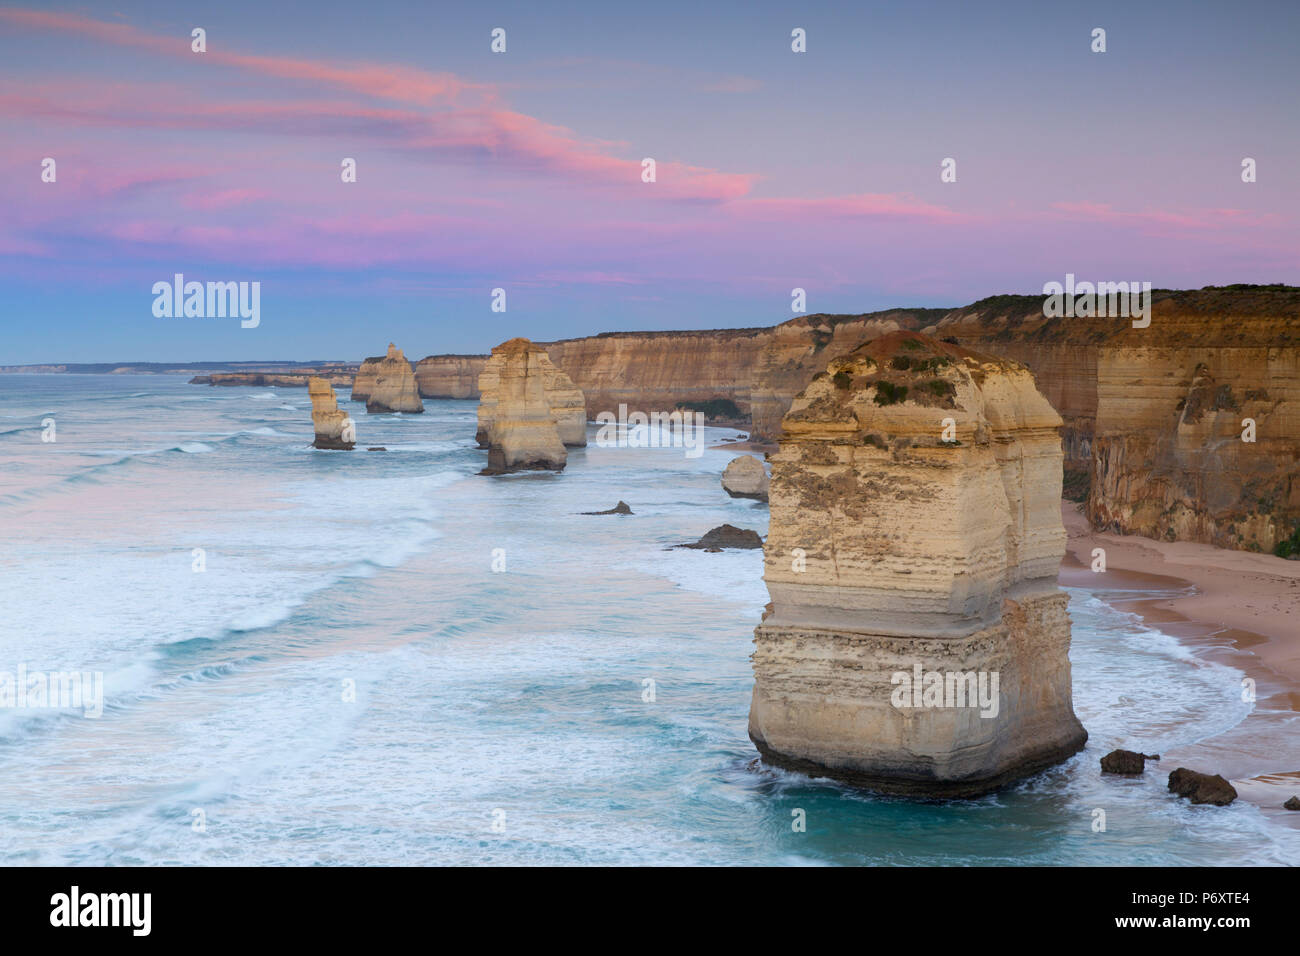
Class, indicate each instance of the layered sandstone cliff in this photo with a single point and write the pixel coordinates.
(387, 384)
(1156, 415)
(711, 371)
(565, 400)
(332, 425)
(449, 376)
(916, 531)
(521, 431)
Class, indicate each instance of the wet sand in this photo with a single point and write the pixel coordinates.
(761, 448)
(1235, 608)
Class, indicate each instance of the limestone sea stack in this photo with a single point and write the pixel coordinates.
(745, 477)
(565, 399)
(333, 426)
(522, 434)
(916, 642)
(387, 384)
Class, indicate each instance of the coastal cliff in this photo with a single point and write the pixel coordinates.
(449, 376)
(521, 432)
(708, 371)
(1142, 465)
(916, 530)
(387, 384)
(1157, 417)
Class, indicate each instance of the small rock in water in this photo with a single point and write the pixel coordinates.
(377, 448)
(1202, 787)
(745, 477)
(1292, 804)
(1126, 762)
(726, 536)
(619, 509)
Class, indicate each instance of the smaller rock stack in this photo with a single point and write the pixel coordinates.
(387, 384)
(567, 403)
(521, 432)
(333, 426)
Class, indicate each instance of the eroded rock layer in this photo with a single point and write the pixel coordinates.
(916, 530)
(331, 424)
(521, 432)
(387, 384)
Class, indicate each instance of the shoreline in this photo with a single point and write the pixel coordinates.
(1238, 591)
(1237, 608)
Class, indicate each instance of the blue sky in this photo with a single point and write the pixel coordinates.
(522, 170)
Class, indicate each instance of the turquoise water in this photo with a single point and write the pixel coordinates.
(498, 717)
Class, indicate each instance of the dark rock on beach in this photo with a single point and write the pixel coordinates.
(1201, 787)
(1292, 804)
(726, 536)
(1126, 762)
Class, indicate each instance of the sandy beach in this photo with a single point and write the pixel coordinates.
(1235, 590)
(1237, 607)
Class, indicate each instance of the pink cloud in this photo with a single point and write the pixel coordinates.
(381, 80)
(865, 206)
(484, 128)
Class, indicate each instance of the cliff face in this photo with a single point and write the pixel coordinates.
(332, 425)
(656, 371)
(449, 376)
(905, 547)
(1170, 457)
(1156, 414)
(387, 384)
(521, 430)
(564, 399)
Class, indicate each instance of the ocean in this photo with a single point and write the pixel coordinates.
(383, 658)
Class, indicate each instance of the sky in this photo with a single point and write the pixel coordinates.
(522, 170)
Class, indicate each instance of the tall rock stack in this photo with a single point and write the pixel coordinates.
(332, 425)
(566, 401)
(522, 433)
(916, 641)
(387, 384)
